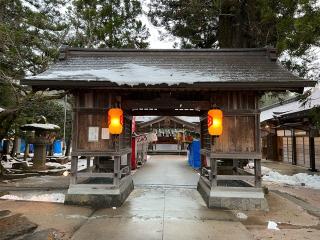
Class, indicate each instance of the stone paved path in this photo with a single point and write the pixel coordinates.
(166, 170)
(164, 205)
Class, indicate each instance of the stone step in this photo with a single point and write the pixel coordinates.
(4, 213)
(16, 225)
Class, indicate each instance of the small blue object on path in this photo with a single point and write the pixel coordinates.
(194, 158)
(57, 147)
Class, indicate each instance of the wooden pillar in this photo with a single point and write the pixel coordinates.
(116, 161)
(116, 173)
(257, 172)
(74, 170)
(95, 163)
(88, 164)
(129, 162)
(294, 148)
(213, 173)
(312, 154)
(235, 166)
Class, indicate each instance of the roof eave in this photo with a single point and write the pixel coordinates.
(295, 85)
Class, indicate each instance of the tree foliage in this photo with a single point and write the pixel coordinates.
(291, 26)
(32, 31)
(112, 24)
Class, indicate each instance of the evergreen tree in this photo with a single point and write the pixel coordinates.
(31, 32)
(112, 24)
(291, 26)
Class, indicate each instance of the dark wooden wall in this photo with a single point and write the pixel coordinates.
(241, 124)
(90, 109)
(241, 134)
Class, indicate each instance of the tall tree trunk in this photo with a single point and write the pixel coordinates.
(50, 150)
(15, 146)
(226, 25)
(234, 24)
(68, 147)
(2, 170)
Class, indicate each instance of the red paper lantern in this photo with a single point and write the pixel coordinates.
(115, 120)
(215, 118)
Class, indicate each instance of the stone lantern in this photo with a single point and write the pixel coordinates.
(40, 134)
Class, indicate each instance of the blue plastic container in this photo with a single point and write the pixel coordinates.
(57, 147)
(194, 159)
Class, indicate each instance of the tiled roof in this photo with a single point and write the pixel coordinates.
(202, 67)
(291, 106)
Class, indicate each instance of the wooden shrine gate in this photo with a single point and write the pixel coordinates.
(174, 83)
(239, 141)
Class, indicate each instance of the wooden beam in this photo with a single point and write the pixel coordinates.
(261, 85)
(100, 153)
(97, 175)
(236, 177)
(231, 156)
(185, 112)
(161, 112)
(165, 104)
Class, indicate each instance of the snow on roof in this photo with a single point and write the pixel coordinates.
(131, 67)
(44, 126)
(291, 106)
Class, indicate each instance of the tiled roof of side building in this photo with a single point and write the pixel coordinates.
(291, 106)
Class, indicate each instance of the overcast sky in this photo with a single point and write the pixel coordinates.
(154, 39)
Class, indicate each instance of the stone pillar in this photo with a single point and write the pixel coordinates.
(40, 154)
(74, 170)
(257, 173)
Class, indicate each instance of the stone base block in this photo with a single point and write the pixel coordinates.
(234, 198)
(99, 195)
